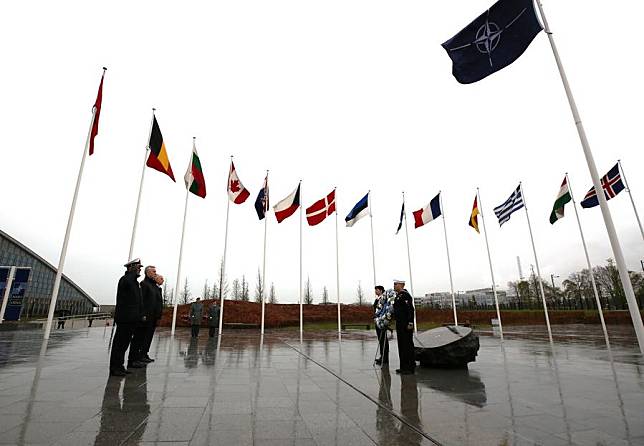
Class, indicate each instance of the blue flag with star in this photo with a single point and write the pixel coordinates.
(493, 40)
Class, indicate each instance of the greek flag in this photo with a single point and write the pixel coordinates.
(514, 203)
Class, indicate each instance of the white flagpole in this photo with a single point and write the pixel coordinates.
(70, 220)
(411, 282)
(301, 307)
(449, 263)
(590, 268)
(630, 195)
(11, 274)
(264, 260)
(176, 289)
(373, 250)
(337, 262)
(489, 258)
(223, 265)
(536, 261)
(603, 204)
(138, 201)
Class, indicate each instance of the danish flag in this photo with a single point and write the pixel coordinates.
(321, 209)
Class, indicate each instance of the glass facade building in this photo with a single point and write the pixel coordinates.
(71, 298)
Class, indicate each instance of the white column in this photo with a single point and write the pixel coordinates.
(337, 264)
(11, 274)
(449, 263)
(223, 265)
(411, 282)
(176, 289)
(264, 257)
(301, 307)
(603, 204)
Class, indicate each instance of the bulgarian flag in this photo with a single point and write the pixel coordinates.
(194, 179)
(563, 197)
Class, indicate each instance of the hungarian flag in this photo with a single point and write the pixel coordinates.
(97, 114)
(237, 193)
(287, 206)
(158, 158)
(429, 213)
(474, 221)
(321, 209)
(563, 197)
(194, 179)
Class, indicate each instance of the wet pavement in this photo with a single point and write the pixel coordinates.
(242, 389)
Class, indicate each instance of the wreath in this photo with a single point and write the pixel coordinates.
(385, 309)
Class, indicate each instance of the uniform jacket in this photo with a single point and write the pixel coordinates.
(151, 299)
(196, 313)
(213, 316)
(128, 299)
(403, 309)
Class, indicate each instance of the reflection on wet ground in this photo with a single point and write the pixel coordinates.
(242, 389)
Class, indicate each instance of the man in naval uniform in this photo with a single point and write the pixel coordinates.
(404, 315)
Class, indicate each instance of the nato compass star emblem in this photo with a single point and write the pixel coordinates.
(488, 36)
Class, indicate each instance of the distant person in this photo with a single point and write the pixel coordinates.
(213, 319)
(127, 316)
(61, 321)
(152, 304)
(90, 319)
(196, 313)
(404, 315)
(383, 341)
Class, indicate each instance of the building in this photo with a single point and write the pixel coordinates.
(479, 297)
(35, 303)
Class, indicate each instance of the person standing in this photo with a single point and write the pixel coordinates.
(213, 319)
(127, 317)
(383, 341)
(196, 313)
(152, 301)
(404, 315)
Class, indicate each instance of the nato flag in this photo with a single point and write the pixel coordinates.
(493, 41)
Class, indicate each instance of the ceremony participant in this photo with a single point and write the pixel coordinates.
(213, 319)
(127, 317)
(152, 302)
(196, 313)
(383, 341)
(404, 315)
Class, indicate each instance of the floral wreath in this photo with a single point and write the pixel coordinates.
(385, 309)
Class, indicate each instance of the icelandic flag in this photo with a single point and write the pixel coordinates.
(287, 206)
(429, 213)
(611, 183)
(361, 209)
(493, 40)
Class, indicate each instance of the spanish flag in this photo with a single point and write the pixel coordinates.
(158, 158)
(474, 222)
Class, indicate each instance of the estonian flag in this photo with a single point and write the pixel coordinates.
(361, 209)
(429, 213)
(493, 40)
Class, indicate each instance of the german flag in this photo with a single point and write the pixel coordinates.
(474, 222)
(158, 158)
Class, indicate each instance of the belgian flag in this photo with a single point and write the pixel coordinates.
(158, 158)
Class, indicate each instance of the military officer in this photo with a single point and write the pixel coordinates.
(404, 315)
(196, 313)
(213, 319)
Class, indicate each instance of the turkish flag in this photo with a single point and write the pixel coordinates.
(321, 209)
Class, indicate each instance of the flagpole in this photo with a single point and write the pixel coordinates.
(11, 274)
(301, 307)
(337, 263)
(176, 289)
(223, 263)
(449, 263)
(590, 268)
(411, 282)
(489, 258)
(373, 250)
(264, 260)
(630, 195)
(138, 201)
(536, 261)
(603, 204)
(70, 220)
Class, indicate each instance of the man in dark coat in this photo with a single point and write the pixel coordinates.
(127, 317)
(152, 302)
(196, 314)
(383, 341)
(404, 315)
(213, 319)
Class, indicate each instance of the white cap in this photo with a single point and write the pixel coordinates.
(399, 281)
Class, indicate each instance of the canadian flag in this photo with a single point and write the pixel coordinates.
(321, 209)
(237, 193)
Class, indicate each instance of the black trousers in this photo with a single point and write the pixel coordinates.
(148, 340)
(195, 330)
(406, 353)
(212, 331)
(122, 340)
(139, 340)
(383, 344)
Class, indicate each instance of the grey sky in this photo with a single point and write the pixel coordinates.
(356, 94)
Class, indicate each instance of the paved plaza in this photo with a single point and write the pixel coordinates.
(245, 390)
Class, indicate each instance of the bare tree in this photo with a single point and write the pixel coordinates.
(325, 295)
(308, 292)
(244, 289)
(184, 296)
(206, 290)
(272, 297)
(167, 294)
(214, 290)
(236, 290)
(259, 287)
(360, 294)
(221, 279)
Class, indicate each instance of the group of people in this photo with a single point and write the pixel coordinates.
(403, 313)
(139, 306)
(196, 315)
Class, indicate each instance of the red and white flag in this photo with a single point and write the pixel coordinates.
(321, 209)
(237, 193)
(97, 114)
(287, 206)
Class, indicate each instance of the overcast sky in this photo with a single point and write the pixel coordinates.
(353, 94)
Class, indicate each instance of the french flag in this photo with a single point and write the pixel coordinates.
(287, 206)
(429, 213)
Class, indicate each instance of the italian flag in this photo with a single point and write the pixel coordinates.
(563, 197)
(194, 179)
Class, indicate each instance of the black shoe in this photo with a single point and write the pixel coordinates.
(117, 372)
(136, 365)
(378, 361)
(146, 360)
(399, 371)
(407, 372)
